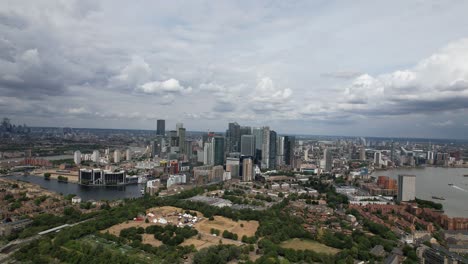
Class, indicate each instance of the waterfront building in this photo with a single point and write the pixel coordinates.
(77, 157)
(406, 188)
(101, 177)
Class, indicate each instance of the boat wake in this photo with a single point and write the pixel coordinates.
(459, 188)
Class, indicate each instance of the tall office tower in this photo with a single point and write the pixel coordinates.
(406, 188)
(248, 145)
(266, 147)
(178, 126)
(208, 153)
(188, 149)
(233, 137)
(154, 148)
(377, 158)
(161, 127)
(247, 170)
(96, 157)
(128, 155)
(257, 132)
(273, 151)
(306, 154)
(173, 139)
(117, 156)
(218, 150)
(181, 133)
(77, 157)
(362, 153)
(232, 165)
(245, 130)
(430, 157)
(289, 144)
(392, 152)
(280, 150)
(328, 160)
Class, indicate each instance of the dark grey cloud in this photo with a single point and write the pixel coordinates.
(12, 20)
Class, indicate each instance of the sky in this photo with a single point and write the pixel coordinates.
(358, 68)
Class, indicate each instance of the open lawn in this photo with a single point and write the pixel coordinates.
(207, 240)
(303, 244)
(204, 227)
(222, 223)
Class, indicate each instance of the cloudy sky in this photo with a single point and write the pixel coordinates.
(377, 68)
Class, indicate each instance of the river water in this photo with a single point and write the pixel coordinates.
(434, 181)
(85, 192)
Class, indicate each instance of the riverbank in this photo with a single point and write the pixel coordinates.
(434, 181)
(85, 192)
(54, 174)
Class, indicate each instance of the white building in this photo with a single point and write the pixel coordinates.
(406, 188)
(128, 155)
(76, 200)
(117, 156)
(77, 157)
(208, 153)
(96, 156)
(226, 176)
(176, 179)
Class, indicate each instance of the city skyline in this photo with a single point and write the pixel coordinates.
(303, 68)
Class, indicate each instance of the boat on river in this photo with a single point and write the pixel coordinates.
(438, 197)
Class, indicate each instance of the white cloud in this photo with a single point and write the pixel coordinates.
(135, 73)
(438, 83)
(168, 86)
(267, 92)
(443, 123)
(78, 111)
(31, 57)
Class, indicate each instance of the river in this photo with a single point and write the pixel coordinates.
(85, 192)
(434, 181)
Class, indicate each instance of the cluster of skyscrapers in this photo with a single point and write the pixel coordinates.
(241, 149)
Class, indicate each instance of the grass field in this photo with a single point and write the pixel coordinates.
(204, 226)
(222, 223)
(206, 240)
(303, 244)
